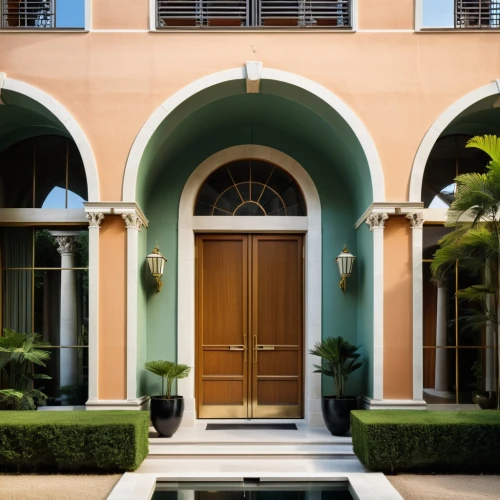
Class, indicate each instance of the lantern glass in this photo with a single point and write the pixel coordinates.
(345, 263)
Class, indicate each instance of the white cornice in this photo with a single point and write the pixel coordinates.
(116, 208)
(390, 207)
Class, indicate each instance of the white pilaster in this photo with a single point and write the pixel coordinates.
(94, 219)
(133, 224)
(416, 223)
(376, 222)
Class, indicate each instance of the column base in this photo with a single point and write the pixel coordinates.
(393, 404)
(141, 403)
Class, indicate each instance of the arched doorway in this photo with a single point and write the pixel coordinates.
(215, 121)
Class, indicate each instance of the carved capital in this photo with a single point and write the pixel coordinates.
(376, 220)
(95, 219)
(66, 244)
(416, 220)
(132, 221)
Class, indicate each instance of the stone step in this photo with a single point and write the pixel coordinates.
(245, 450)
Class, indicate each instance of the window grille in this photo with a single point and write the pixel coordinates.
(254, 14)
(477, 14)
(27, 14)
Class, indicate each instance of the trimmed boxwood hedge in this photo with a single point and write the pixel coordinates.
(113, 440)
(412, 440)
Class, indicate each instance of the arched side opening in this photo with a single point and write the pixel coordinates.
(47, 172)
(455, 360)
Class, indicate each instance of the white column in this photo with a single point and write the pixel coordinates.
(133, 224)
(68, 318)
(376, 222)
(417, 223)
(94, 219)
(441, 374)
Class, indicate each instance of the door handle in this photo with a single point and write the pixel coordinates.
(265, 347)
(236, 347)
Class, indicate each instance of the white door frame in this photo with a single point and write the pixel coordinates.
(190, 224)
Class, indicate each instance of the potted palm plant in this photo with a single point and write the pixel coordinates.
(167, 409)
(339, 358)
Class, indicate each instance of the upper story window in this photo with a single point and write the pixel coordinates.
(231, 14)
(51, 14)
(460, 14)
(250, 187)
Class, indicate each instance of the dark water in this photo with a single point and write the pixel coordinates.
(252, 491)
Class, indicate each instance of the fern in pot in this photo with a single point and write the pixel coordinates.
(167, 409)
(339, 358)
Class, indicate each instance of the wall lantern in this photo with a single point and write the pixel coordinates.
(156, 263)
(345, 261)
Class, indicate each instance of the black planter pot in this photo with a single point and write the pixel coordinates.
(337, 413)
(166, 414)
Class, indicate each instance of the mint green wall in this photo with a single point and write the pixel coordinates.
(365, 271)
(338, 216)
(21, 118)
(280, 106)
(299, 130)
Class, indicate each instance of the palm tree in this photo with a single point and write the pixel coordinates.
(18, 353)
(475, 239)
(339, 358)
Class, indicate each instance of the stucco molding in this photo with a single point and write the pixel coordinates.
(390, 208)
(2, 79)
(363, 135)
(376, 220)
(435, 131)
(132, 221)
(186, 265)
(95, 219)
(71, 125)
(254, 72)
(116, 208)
(416, 219)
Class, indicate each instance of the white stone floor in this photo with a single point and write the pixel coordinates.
(194, 454)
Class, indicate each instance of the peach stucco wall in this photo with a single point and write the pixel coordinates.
(112, 286)
(398, 83)
(398, 320)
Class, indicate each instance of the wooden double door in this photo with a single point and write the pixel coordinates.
(249, 326)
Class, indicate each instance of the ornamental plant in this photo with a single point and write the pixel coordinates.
(19, 352)
(474, 242)
(169, 371)
(339, 358)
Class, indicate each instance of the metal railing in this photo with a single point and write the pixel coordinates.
(253, 14)
(27, 14)
(477, 14)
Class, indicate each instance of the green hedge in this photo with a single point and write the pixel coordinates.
(69, 440)
(412, 440)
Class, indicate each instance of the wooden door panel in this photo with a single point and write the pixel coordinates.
(277, 326)
(222, 326)
(223, 288)
(277, 280)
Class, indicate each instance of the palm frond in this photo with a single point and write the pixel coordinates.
(490, 144)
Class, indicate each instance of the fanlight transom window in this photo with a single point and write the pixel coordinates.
(250, 187)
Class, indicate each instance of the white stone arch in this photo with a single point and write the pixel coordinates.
(153, 122)
(71, 125)
(437, 128)
(190, 224)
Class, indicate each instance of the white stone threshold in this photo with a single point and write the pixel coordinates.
(394, 404)
(141, 485)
